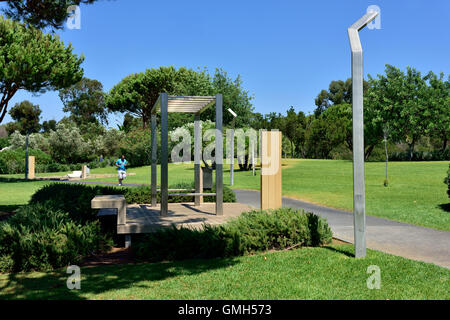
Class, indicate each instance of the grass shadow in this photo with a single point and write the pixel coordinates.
(102, 279)
(349, 252)
(445, 207)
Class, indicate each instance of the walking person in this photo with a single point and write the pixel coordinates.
(121, 165)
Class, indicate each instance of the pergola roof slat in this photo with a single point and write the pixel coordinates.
(191, 104)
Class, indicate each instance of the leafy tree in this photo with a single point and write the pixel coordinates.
(41, 13)
(339, 92)
(67, 145)
(402, 101)
(85, 101)
(26, 116)
(438, 97)
(48, 125)
(234, 97)
(327, 131)
(137, 93)
(33, 61)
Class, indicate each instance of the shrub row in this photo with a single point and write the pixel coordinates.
(59, 167)
(39, 237)
(61, 196)
(436, 155)
(13, 161)
(252, 232)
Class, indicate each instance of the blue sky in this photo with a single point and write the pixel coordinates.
(285, 51)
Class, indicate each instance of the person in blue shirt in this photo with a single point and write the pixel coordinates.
(121, 165)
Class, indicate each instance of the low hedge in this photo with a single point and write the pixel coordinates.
(38, 237)
(252, 232)
(13, 161)
(76, 198)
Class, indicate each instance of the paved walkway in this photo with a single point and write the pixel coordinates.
(401, 239)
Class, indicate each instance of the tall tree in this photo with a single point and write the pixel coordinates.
(339, 92)
(438, 97)
(49, 125)
(33, 61)
(138, 92)
(401, 100)
(41, 13)
(235, 97)
(26, 116)
(85, 101)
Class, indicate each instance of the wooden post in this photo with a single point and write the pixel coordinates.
(31, 167)
(271, 196)
(84, 172)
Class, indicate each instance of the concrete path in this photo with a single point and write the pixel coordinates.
(401, 239)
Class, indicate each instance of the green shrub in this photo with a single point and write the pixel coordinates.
(4, 142)
(76, 198)
(41, 238)
(253, 231)
(13, 161)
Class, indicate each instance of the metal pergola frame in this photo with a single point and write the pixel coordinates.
(186, 104)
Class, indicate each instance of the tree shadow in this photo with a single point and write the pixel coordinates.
(103, 279)
(445, 207)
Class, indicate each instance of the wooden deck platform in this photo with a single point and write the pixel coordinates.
(143, 218)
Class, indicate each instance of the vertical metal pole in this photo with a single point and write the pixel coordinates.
(219, 156)
(26, 157)
(197, 155)
(154, 146)
(359, 214)
(164, 154)
(253, 157)
(232, 155)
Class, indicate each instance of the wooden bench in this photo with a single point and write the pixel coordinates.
(114, 202)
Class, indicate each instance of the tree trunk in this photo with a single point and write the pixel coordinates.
(411, 150)
(368, 152)
(387, 156)
(292, 150)
(444, 144)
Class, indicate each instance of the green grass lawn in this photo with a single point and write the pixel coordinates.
(307, 273)
(416, 193)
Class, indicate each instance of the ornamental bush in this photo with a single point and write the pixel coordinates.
(13, 161)
(252, 232)
(38, 237)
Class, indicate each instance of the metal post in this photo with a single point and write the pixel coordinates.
(232, 154)
(154, 146)
(253, 157)
(219, 156)
(164, 154)
(359, 217)
(26, 157)
(197, 156)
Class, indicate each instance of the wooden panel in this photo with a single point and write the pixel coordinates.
(31, 167)
(271, 190)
